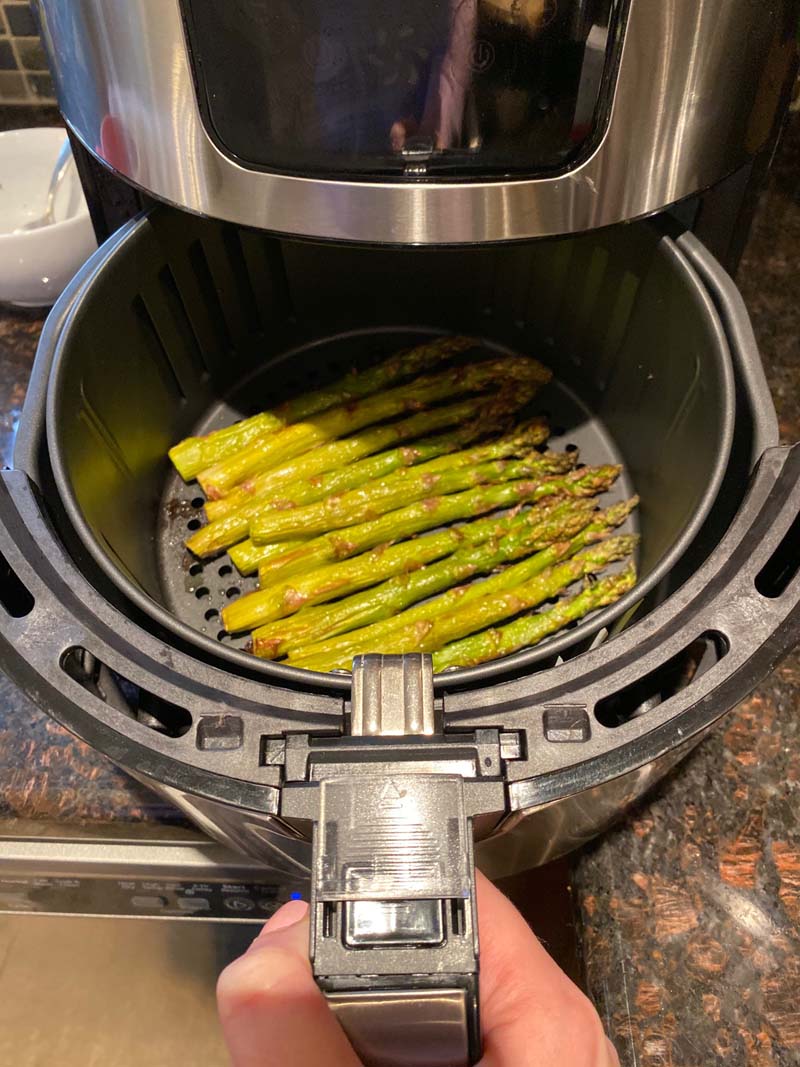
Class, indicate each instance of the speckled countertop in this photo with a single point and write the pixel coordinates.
(690, 909)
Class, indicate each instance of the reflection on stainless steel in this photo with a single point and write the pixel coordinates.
(265, 837)
(533, 835)
(80, 991)
(425, 1028)
(689, 84)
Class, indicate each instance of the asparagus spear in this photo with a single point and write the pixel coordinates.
(436, 511)
(339, 579)
(194, 454)
(485, 543)
(269, 451)
(432, 634)
(337, 455)
(530, 629)
(345, 646)
(248, 557)
(223, 532)
(403, 487)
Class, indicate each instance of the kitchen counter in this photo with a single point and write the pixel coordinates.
(690, 909)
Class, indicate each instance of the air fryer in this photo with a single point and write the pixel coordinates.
(181, 323)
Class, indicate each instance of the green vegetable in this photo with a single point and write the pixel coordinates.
(337, 456)
(484, 544)
(194, 454)
(403, 487)
(276, 448)
(219, 534)
(427, 514)
(431, 634)
(569, 542)
(530, 629)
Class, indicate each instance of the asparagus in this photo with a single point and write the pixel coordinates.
(339, 454)
(530, 629)
(247, 557)
(337, 579)
(349, 643)
(273, 449)
(194, 454)
(274, 601)
(403, 487)
(435, 511)
(226, 531)
(485, 543)
(432, 634)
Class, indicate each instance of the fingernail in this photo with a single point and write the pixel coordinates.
(287, 915)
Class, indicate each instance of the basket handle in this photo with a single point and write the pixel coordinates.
(393, 939)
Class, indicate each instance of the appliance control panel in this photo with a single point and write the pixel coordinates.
(142, 897)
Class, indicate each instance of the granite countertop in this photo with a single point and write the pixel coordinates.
(690, 908)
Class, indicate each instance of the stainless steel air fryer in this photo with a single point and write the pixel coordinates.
(338, 180)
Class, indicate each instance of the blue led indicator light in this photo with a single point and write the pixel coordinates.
(295, 896)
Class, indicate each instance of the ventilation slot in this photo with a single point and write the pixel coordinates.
(280, 277)
(208, 291)
(774, 577)
(162, 361)
(664, 682)
(244, 287)
(14, 596)
(150, 710)
(181, 320)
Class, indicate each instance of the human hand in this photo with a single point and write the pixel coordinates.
(273, 1014)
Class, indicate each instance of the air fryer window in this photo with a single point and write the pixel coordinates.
(453, 88)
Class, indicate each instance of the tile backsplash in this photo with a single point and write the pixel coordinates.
(24, 77)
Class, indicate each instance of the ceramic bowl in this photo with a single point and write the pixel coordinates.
(35, 265)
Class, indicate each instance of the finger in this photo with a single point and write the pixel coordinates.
(270, 1007)
(531, 1013)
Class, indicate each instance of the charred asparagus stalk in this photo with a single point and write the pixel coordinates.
(195, 454)
(431, 634)
(404, 487)
(529, 630)
(350, 643)
(273, 449)
(338, 455)
(368, 473)
(436, 511)
(485, 544)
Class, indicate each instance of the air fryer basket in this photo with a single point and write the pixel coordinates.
(574, 742)
(189, 324)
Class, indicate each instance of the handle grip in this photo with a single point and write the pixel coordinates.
(393, 922)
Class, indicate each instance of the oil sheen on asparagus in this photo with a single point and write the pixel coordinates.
(409, 506)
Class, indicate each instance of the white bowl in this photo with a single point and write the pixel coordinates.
(35, 265)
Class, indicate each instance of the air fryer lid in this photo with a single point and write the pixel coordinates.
(207, 323)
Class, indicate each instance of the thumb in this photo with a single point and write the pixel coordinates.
(271, 1010)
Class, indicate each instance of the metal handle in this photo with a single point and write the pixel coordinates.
(393, 923)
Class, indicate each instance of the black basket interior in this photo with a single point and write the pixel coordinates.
(188, 323)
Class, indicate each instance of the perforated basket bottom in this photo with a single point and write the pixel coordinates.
(197, 590)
